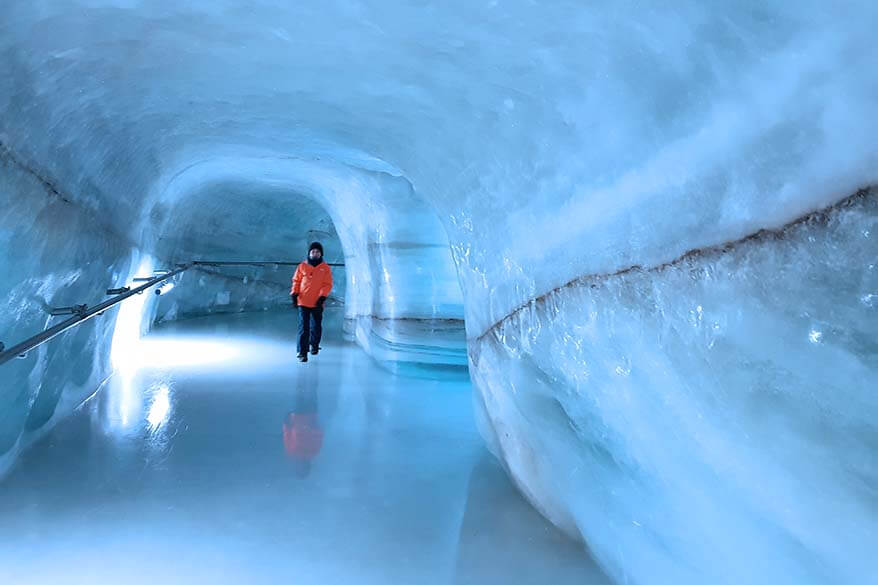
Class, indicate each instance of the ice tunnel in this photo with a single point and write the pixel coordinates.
(648, 232)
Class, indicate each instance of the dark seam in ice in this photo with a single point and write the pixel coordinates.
(449, 320)
(820, 216)
(7, 154)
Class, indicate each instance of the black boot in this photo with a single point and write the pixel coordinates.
(314, 350)
(303, 357)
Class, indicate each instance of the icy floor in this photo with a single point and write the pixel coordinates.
(180, 471)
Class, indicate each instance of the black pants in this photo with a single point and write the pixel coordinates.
(310, 328)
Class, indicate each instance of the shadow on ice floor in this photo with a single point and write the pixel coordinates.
(215, 457)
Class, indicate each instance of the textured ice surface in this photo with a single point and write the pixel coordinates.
(597, 136)
(48, 253)
(548, 144)
(721, 406)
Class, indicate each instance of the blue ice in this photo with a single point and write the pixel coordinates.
(649, 233)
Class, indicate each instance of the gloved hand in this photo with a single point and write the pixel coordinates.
(295, 299)
(320, 301)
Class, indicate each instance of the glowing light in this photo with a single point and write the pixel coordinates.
(160, 407)
(129, 324)
(162, 352)
(126, 402)
(815, 336)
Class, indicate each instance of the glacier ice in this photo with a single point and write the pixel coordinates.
(722, 405)
(646, 215)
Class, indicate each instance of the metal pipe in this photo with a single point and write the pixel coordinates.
(74, 310)
(24, 347)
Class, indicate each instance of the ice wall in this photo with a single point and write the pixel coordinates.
(723, 404)
(555, 147)
(52, 254)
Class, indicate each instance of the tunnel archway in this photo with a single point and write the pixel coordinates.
(240, 221)
(402, 302)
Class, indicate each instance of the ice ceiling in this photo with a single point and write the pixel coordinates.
(551, 147)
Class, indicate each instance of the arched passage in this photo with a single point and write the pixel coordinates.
(400, 279)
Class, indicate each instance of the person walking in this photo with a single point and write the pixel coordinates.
(312, 284)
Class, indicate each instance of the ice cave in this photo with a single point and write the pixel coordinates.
(603, 305)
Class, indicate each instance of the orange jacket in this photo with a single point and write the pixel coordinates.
(311, 283)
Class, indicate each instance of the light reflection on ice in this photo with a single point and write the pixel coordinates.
(160, 408)
(175, 352)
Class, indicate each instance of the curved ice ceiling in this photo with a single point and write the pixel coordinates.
(554, 147)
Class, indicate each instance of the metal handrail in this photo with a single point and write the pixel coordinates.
(81, 313)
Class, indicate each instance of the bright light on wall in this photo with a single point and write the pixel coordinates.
(129, 323)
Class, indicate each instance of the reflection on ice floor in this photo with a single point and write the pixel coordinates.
(216, 458)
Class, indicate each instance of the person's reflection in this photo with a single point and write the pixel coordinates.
(303, 435)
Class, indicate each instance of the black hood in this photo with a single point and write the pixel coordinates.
(315, 246)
